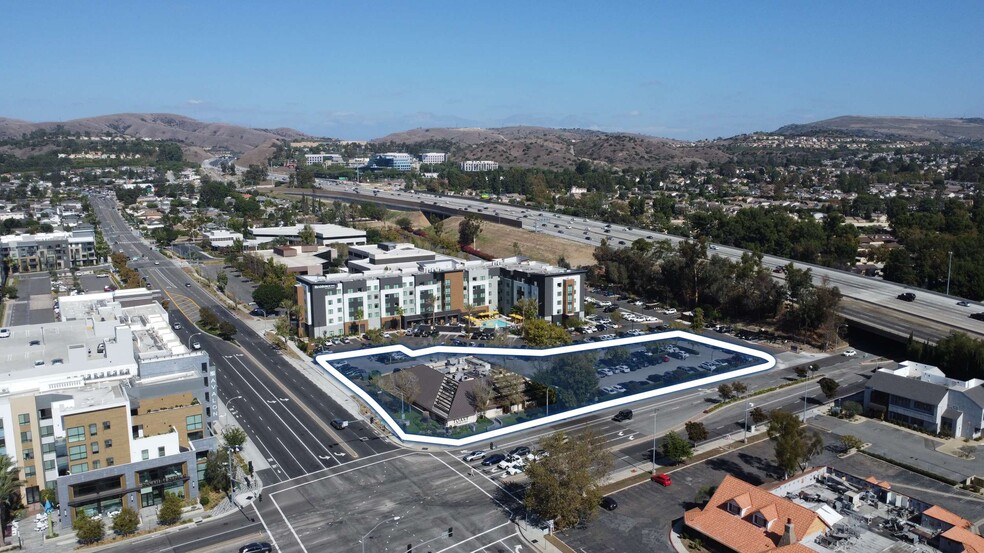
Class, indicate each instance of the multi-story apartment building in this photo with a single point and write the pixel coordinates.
(392, 160)
(392, 285)
(107, 407)
(923, 397)
(474, 166)
(28, 253)
(433, 157)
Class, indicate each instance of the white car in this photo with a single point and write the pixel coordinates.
(514, 470)
(4, 333)
(849, 353)
(669, 311)
(474, 456)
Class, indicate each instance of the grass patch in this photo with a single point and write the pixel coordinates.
(717, 406)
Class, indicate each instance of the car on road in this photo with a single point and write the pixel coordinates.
(608, 503)
(963, 303)
(662, 479)
(623, 415)
(339, 424)
(474, 456)
(257, 547)
(977, 316)
(713, 247)
(177, 326)
(669, 311)
(157, 263)
(906, 296)
(196, 345)
(849, 353)
(187, 285)
(492, 460)
(4, 333)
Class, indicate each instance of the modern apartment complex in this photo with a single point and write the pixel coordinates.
(392, 285)
(474, 166)
(107, 407)
(922, 396)
(29, 253)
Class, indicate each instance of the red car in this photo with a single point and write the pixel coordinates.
(663, 479)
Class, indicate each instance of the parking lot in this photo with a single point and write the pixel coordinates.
(34, 303)
(430, 493)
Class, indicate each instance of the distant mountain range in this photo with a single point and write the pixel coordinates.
(510, 146)
(912, 128)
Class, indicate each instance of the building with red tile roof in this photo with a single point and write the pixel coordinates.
(742, 518)
(961, 540)
(938, 518)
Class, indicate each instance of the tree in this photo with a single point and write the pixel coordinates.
(403, 384)
(539, 333)
(469, 229)
(739, 388)
(308, 236)
(480, 396)
(268, 296)
(216, 471)
(675, 448)
(10, 484)
(617, 356)
(851, 409)
(801, 371)
(126, 522)
(208, 319)
(851, 442)
(697, 324)
(526, 308)
(170, 511)
(282, 328)
(233, 436)
(88, 530)
(405, 223)
(222, 280)
(794, 446)
(696, 432)
(564, 484)
(829, 386)
(575, 377)
(758, 415)
(226, 330)
(725, 391)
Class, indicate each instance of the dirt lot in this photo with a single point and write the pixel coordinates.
(504, 241)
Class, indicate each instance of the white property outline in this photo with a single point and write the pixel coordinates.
(324, 360)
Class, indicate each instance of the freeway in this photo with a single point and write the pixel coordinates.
(933, 315)
(285, 416)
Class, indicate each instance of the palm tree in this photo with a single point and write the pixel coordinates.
(10, 484)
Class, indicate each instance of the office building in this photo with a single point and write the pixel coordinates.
(29, 253)
(107, 407)
(323, 159)
(923, 397)
(324, 233)
(433, 157)
(475, 166)
(398, 161)
(393, 285)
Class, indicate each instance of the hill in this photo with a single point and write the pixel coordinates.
(910, 128)
(160, 126)
(559, 148)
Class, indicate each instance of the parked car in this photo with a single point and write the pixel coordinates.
(849, 353)
(608, 503)
(474, 456)
(519, 451)
(623, 415)
(662, 479)
(492, 460)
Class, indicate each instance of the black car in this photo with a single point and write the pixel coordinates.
(907, 296)
(257, 547)
(978, 316)
(493, 460)
(188, 285)
(519, 451)
(623, 415)
(609, 503)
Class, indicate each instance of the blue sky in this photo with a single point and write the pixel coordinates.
(362, 69)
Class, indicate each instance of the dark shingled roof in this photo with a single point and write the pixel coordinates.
(911, 388)
(976, 395)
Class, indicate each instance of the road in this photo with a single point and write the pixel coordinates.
(282, 412)
(938, 313)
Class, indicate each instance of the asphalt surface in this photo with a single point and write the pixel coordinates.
(34, 301)
(938, 311)
(284, 415)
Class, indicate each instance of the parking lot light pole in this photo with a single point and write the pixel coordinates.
(748, 406)
(380, 523)
(655, 412)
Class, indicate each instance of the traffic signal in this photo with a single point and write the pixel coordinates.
(450, 531)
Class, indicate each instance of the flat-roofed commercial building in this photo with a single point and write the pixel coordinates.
(107, 407)
(28, 253)
(475, 166)
(324, 233)
(392, 285)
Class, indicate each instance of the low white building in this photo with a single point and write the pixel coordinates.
(475, 166)
(433, 157)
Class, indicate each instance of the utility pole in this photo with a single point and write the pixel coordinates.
(748, 406)
(949, 269)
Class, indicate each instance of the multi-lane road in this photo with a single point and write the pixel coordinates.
(871, 301)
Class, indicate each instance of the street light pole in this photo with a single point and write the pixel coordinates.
(655, 412)
(192, 336)
(748, 406)
(380, 523)
(949, 268)
(804, 406)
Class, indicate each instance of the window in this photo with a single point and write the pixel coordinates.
(77, 452)
(24, 418)
(48, 448)
(28, 454)
(80, 468)
(194, 422)
(145, 454)
(160, 451)
(109, 461)
(205, 380)
(108, 443)
(94, 446)
(49, 465)
(106, 425)
(95, 465)
(76, 434)
(93, 428)
(733, 508)
(26, 437)
(47, 431)
(29, 470)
